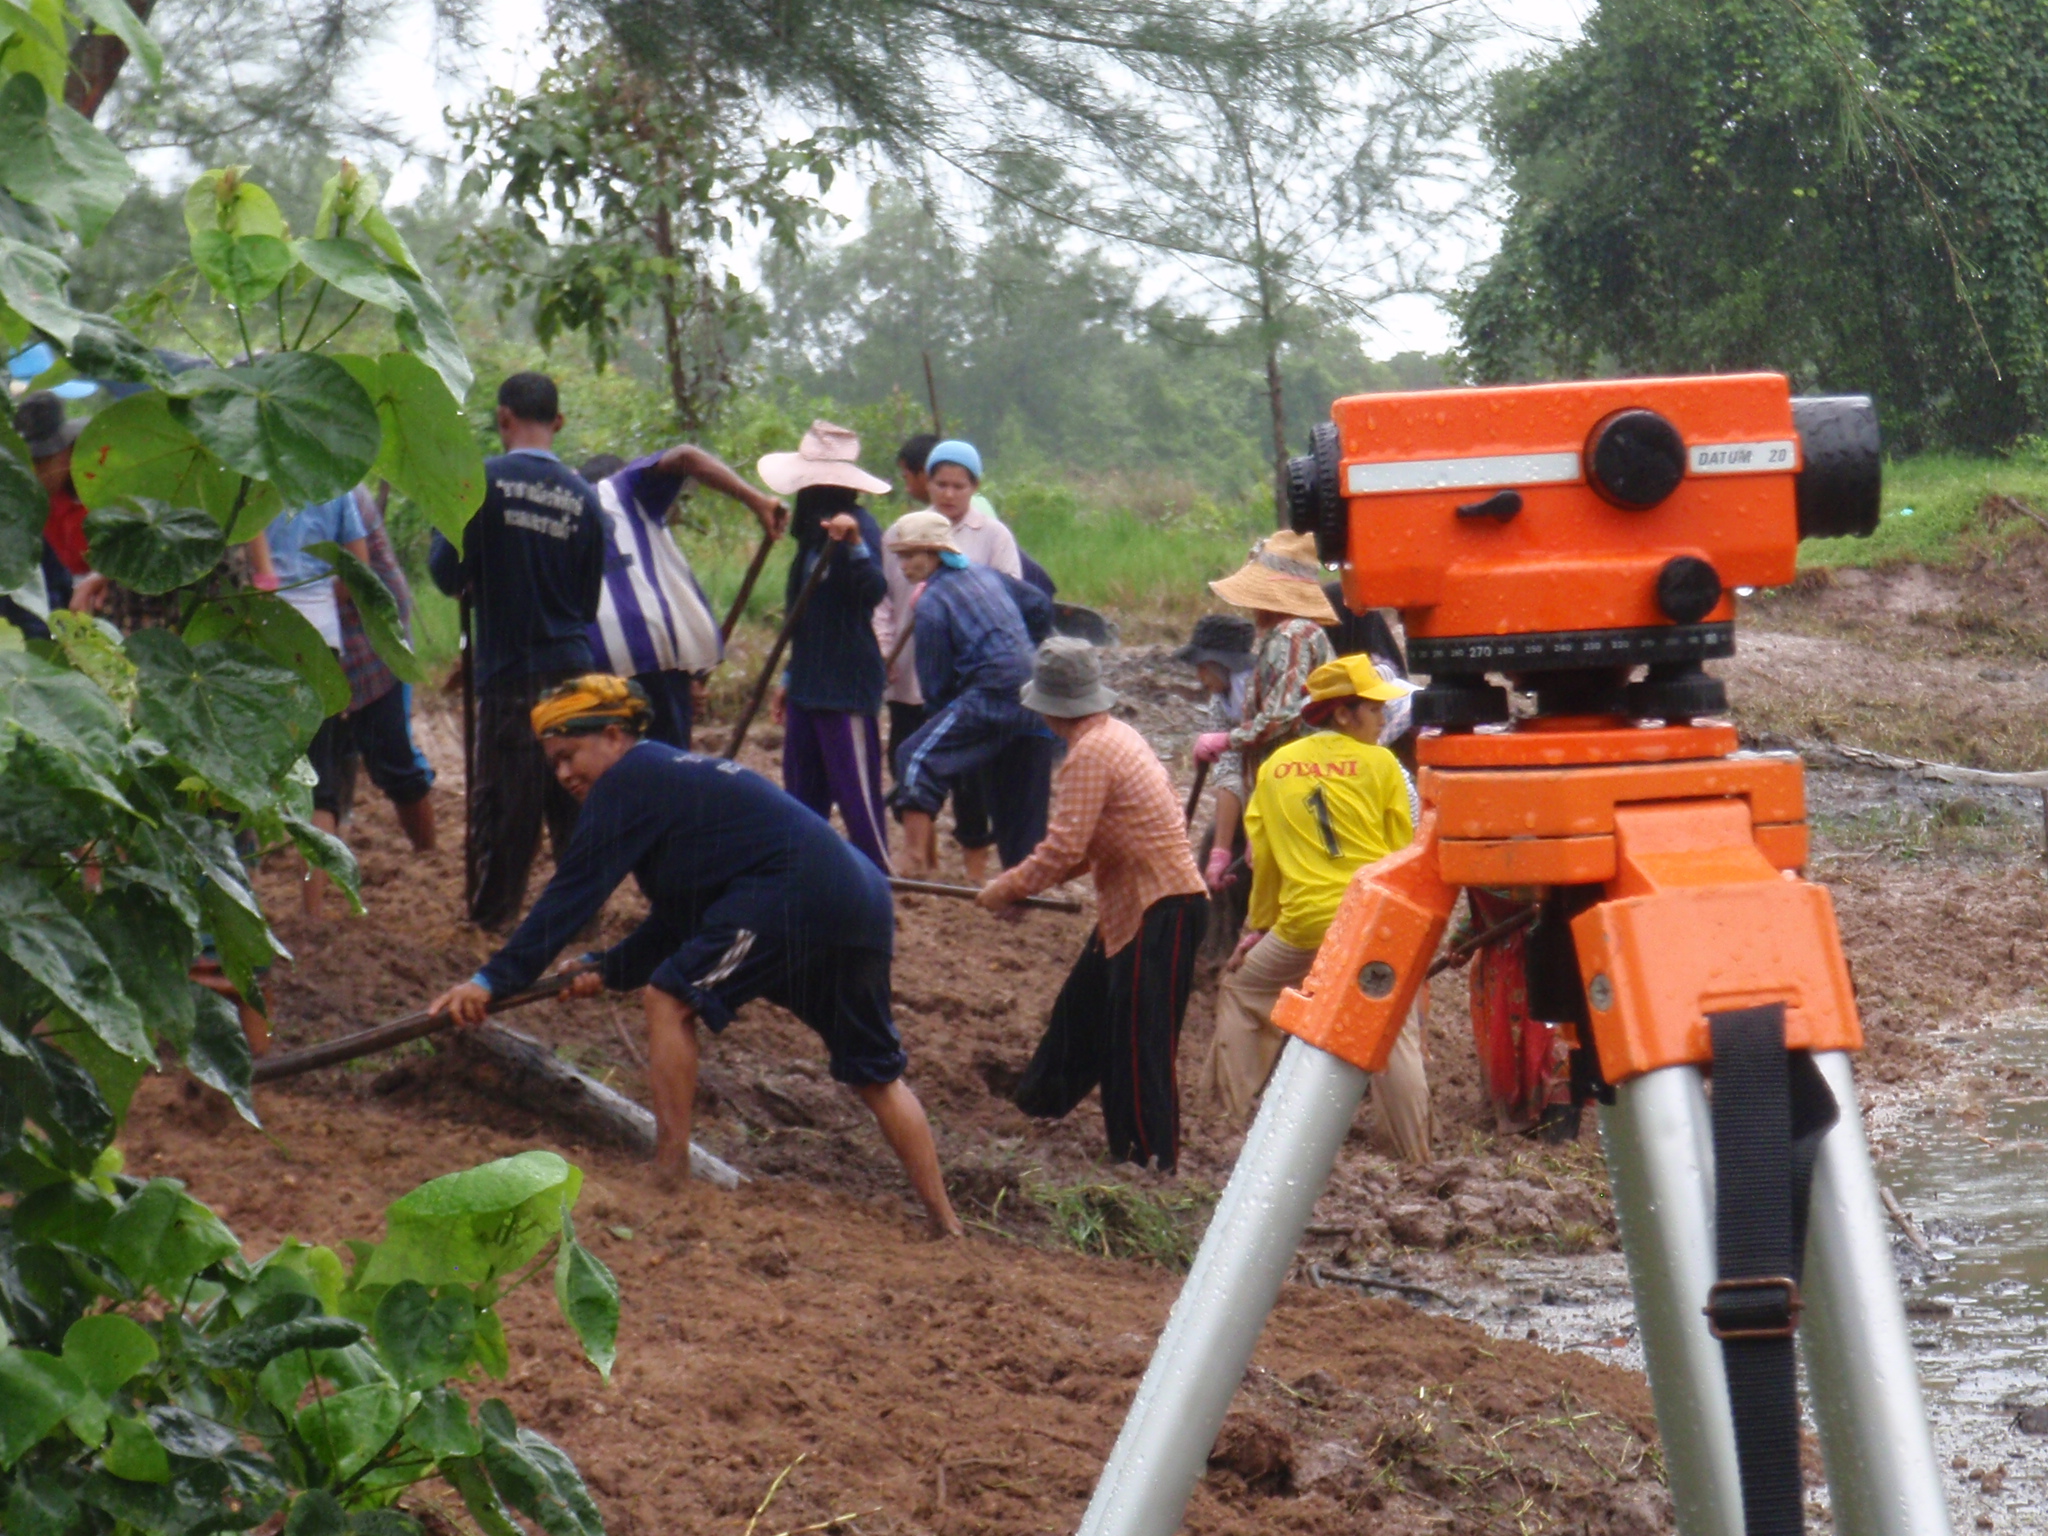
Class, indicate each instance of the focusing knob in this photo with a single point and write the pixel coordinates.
(1332, 526)
(1301, 493)
(1635, 459)
(1688, 589)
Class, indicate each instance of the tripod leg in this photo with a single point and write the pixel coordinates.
(1660, 1162)
(1866, 1388)
(1222, 1307)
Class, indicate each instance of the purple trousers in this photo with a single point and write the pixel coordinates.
(830, 757)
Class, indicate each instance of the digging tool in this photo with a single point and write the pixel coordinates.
(909, 628)
(468, 753)
(969, 892)
(754, 568)
(1465, 949)
(414, 1026)
(796, 611)
(1195, 794)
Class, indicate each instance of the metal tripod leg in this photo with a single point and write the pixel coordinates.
(1866, 1388)
(1659, 1141)
(1223, 1305)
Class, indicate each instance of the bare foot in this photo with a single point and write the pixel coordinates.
(976, 860)
(940, 1231)
(671, 1175)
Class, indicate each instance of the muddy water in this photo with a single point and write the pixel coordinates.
(1971, 1166)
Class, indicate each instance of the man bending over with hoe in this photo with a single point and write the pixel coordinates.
(752, 895)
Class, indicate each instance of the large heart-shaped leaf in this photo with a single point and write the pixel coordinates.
(473, 1226)
(163, 1237)
(136, 447)
(429, 452)
(295, 419)
(376, 607)
(224, 199)
(32, 281)
(153, 546)
(107, 1350)
(355, 269)
(151, 949)
(280, 631)
(219, 1054)
(53, 157)
(107, 350)
(224, 709)
(441, 1425)
(64, 712)
(533, 1476)
(39, 934)
(243, 269)
(345, 1429)
(36, 1392)
(426, 327)
(423, 1339)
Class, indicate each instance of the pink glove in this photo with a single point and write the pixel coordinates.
(264, 581)
(1219, 866)
(1211, 745)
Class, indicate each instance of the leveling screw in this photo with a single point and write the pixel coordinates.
(1600, 993)
(1376, 979)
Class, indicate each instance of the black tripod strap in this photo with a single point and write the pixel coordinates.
(1771, 1110)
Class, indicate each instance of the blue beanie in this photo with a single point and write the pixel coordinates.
(954, 451)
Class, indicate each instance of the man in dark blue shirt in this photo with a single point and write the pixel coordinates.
(751, 895)
(975, 632)
(532, 566)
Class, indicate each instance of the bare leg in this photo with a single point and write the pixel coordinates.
(920, 844)
(909, 1134)
(313, 893)
(418, 821)
(976, 860)
(672, 1074)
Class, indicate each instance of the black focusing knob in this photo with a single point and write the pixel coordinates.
(1635, 459)
(1688, 589)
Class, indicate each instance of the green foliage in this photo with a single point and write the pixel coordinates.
(159, 1382)
(646, 181)
(1855, 194)
(1120, 1221)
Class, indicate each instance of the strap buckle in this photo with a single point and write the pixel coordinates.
(1739, 1309)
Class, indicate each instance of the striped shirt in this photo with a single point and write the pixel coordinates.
(652, 616)
(1115, 813)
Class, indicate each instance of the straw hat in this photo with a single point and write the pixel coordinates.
(1282, 576)
(828, 455)
(921, 530)
(1066, 680)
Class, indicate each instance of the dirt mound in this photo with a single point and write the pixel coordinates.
(970, 1386)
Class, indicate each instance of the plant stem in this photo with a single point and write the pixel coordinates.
(345, 322)
(319, 296)
(242, 325)
(179, 320)
(282, 344)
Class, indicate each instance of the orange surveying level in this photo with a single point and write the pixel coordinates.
(1583, 545)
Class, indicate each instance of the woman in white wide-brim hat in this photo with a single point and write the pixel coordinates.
(832, 690)
(1281, 583)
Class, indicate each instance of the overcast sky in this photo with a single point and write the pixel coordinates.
(409, 81)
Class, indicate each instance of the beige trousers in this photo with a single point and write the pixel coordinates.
(1246, 1046)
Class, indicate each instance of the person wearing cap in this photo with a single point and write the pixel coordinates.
(40, 421)
(975, 629)
(750, 895)
(1325, 805)
(1220, 651)
(979, 534)
(531, 563)
(654, 623)
(831, 694)
(1280, 584)
(1116, 1023)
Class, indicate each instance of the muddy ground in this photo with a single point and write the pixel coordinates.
(977, 1387)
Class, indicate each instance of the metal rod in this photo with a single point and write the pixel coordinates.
(796, 611)
(1195, 794)
(468, 752)
(414, 1026)
(1660, 1162)
(1866, 1389)
(969, 892)
(1222, 1307)
(909, 628)
(754, 567)
(1465, 949)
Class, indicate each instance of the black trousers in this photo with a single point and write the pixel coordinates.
(514, 792)
(1117, 1023)
(674, 710)
(904, 719)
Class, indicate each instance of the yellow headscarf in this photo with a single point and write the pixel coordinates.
(589, 703)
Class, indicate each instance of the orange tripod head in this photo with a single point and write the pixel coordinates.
(1570, 533)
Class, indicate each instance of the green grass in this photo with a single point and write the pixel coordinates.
(1121, 1221)
(1945, 492)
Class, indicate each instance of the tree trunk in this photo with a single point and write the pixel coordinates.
(1279, 405)
(679, 392)
(519, 1069)
(96, 61)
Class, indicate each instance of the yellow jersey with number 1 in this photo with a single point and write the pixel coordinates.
(1324, 807)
